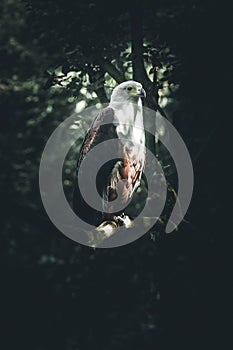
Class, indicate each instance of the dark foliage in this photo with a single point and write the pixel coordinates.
(162, 291)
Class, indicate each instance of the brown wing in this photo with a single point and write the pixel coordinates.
(98, 132)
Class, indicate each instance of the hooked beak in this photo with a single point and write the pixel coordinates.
(142, 93)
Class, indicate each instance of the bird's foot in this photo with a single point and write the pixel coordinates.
(124, 220)
(109, 227)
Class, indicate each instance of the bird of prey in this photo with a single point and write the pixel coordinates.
(122, 121)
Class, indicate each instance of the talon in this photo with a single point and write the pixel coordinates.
(124, 220)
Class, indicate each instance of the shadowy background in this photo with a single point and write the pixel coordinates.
(162, 291)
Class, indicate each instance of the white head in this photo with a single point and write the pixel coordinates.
(128, 91)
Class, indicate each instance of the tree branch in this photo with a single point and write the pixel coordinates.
(95, 79)
(111, 70)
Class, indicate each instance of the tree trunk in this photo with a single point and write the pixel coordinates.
(139, 71)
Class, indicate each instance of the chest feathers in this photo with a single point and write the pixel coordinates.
(128, 119)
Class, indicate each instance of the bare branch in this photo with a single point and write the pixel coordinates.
(95, 80)
(111, 70)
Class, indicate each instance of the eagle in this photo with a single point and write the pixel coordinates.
(121, 121)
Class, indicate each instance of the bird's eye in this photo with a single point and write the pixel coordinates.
(129, 88)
